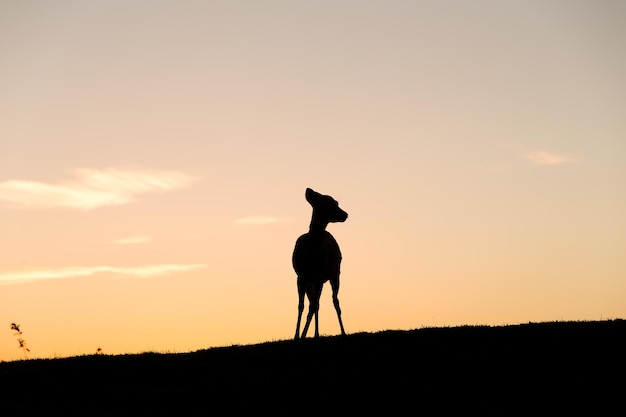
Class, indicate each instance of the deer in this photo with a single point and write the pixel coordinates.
(316, 259)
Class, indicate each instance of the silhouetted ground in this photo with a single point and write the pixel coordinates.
(556, 368)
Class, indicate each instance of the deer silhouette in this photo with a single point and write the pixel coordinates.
(316, 259)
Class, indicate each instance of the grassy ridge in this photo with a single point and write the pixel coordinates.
(540, 369)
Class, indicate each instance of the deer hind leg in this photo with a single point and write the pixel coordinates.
(334, 283)
(300, 307)
(313, 294)
(317, 312)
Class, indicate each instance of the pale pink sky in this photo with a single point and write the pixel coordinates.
(154, 157)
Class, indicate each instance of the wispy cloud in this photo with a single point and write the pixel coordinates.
(539, 157)
(134, 240)
(91, 189)
(550, 158)
(260, 220)
(147, 271)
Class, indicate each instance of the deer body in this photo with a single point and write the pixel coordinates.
(317, 259)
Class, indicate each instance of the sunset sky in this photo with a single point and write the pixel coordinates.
(154, 157)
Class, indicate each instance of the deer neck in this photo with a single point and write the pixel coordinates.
(318, 226)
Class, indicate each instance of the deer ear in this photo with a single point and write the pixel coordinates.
(311, 195)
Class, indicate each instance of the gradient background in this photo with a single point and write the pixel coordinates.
(154, 157)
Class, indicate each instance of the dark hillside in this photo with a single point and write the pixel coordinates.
(538, 369)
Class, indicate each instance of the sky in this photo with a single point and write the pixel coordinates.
(154, 157)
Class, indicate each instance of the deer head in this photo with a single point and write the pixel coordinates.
(325, 208)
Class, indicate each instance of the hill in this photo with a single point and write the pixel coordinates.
(537, 368)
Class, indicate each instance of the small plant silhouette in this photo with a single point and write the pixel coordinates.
(20, 340)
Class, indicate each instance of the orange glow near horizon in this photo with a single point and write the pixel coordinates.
(152, 178)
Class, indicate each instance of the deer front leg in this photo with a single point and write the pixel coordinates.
(338, 309)
(300, 308)
(335, 286)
